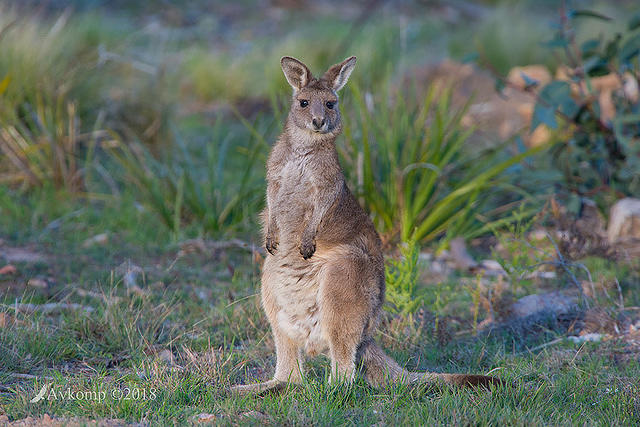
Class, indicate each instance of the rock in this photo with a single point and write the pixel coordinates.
(166, 356)
(460, 256)
(630, 87)
(493, 115)
(8, 269)
(624, 221)
(130, 273)
(98, 239)
(492, 267)
(607, 82)
(586, 338)
(557, 303)
(540, 136)
(205, 418)
(38, 283)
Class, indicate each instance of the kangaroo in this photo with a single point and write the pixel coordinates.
(323, 281)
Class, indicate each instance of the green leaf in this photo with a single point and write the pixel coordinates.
(557, 95)
(594, 64)
(528, 81)
(612, 47)
(589, 14)
(634, 22)
(557, 42)
(589, 47)
(630, 48)
(545, 115)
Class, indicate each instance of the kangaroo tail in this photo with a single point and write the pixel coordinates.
(380, 370)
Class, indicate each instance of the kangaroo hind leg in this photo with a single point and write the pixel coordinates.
(346, 312)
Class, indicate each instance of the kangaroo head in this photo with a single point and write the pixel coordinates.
(314, 106)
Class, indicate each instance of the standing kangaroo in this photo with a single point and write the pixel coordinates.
(323, 280)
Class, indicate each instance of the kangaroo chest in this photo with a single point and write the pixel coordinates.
(292, 280)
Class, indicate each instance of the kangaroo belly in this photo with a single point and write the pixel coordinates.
(295, 286)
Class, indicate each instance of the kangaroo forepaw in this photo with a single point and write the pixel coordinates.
(307, 248)
(271, 244)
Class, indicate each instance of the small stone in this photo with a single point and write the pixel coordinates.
(166, 356)
(8, 269)
(593, 337)
(98, 239)
(205, 418)
(38, 283)
(492, 267)
(553, 302)
(624, 220)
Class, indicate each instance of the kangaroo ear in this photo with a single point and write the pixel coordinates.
(297, 74)
(338, 74)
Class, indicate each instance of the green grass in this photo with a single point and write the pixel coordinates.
(204, 309)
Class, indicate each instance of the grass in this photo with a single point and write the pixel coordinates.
(203, 310)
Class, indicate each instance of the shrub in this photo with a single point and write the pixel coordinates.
(43, 147)
(595, 99)
(215, 189)
(405, 159)
(402, 279)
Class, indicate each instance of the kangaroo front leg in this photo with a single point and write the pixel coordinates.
(324, 198)
(272, 235)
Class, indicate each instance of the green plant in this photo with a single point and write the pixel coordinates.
(401, 276)
(44, 146)
(517, 255)
(596, 101)
(406, 162)
(213, 188)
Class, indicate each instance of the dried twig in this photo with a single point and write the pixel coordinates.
(203, 245)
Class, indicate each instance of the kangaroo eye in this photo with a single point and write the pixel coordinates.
(330, 105)
(304, 103)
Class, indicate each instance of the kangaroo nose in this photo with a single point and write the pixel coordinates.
(317, 123)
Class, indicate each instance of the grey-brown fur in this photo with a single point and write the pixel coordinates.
(323, 279)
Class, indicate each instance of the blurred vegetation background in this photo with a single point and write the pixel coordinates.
(180, 101)
(177, 104)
